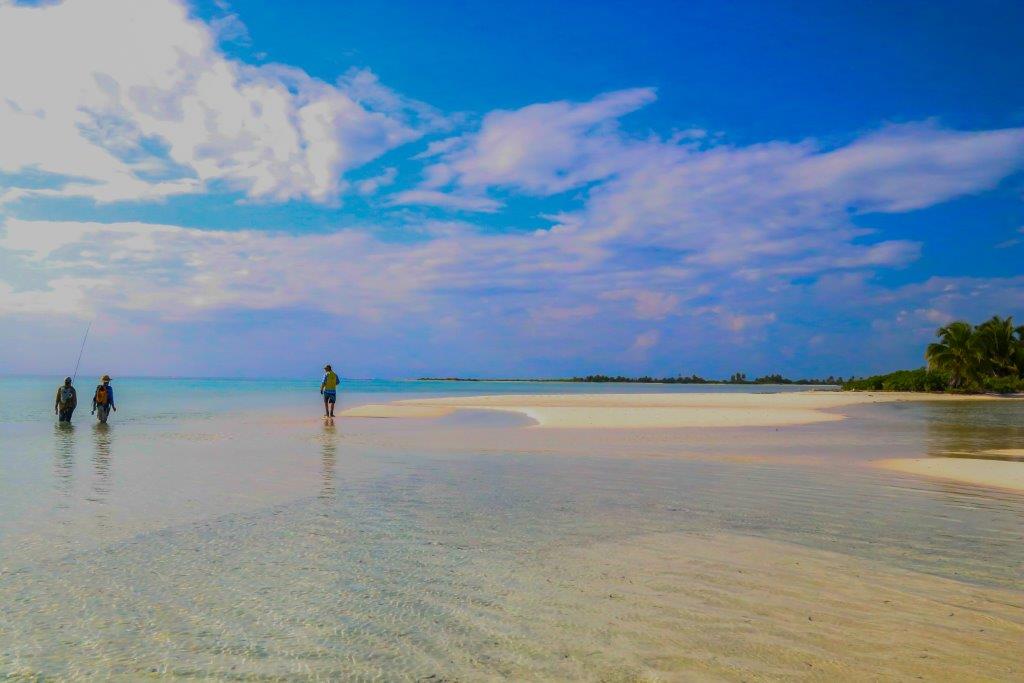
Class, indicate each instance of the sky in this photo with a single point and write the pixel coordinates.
(528, 189)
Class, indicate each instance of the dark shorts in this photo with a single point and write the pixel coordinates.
(331, 395)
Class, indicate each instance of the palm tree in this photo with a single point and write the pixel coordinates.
(956, 353)
(997, 346)
(1018, 354)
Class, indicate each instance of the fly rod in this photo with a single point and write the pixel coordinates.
(81, 351)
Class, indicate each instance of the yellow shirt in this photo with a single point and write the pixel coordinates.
(330, 382)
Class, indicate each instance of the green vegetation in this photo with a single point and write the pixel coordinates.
(736, 378)
(966, 358)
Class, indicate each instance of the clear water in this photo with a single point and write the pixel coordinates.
(30, 399)
(213, 530)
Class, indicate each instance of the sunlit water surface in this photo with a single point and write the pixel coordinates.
(212, 529)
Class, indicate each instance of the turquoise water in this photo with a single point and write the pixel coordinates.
(30, 399)
(222, 529)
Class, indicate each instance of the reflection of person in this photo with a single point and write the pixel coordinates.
(66, 402)
(328, 460)
(103, 400)
(101, 464)
(329, 389)
(64, 460)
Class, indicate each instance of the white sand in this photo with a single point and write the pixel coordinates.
(647, 411)
(393, 410)
(981, 472)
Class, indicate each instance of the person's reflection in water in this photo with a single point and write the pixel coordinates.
(64, 463)
(101, 460)
(328, 461)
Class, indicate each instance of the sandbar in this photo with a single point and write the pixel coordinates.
(652, 411)
(1002, 474)
(394, 410)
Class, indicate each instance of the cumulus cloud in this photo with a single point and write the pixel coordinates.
(133, 100)
(756, 211)
(447, 200)
(540, 149)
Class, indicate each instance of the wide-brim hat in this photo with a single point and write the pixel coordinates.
(105, 378)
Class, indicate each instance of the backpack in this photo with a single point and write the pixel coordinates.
(67, 395)
(101, 395)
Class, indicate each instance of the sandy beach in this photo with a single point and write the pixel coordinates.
(655, 411)
(980, 471)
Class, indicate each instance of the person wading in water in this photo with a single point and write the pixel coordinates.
(66, 401)
(329, 389)
(103, 400)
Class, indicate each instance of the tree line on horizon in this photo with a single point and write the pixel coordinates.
(735, 378)
(966, 358)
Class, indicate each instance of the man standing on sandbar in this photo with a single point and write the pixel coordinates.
(329, 390)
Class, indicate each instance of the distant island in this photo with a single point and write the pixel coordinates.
(736, 378)
(985, 358)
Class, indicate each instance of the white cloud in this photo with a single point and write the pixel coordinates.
(645, 341)
(132, 99)
(647, 305)
(371, 185)
(540, 149)
(448, 200)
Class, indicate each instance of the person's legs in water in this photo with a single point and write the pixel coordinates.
(65, 414)
(102, 413)
(330, 398)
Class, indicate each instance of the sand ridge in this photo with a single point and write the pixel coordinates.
(987, 472)
(653, 411)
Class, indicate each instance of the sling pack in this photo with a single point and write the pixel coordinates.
(102, 396)
(67, 395)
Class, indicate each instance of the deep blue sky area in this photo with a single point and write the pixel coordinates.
(754, 70)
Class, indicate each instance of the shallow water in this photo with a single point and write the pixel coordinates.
(191, 539)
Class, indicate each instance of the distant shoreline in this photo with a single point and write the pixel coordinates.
(600, 379)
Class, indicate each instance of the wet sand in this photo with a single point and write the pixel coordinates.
(655, 411)
(1003, 474)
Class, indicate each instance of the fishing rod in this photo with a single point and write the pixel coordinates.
(81, 351)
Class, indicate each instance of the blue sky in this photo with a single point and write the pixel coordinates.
(537, 189)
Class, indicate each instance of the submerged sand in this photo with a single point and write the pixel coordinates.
(654, 411)
(729, 607)
(982, 471)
